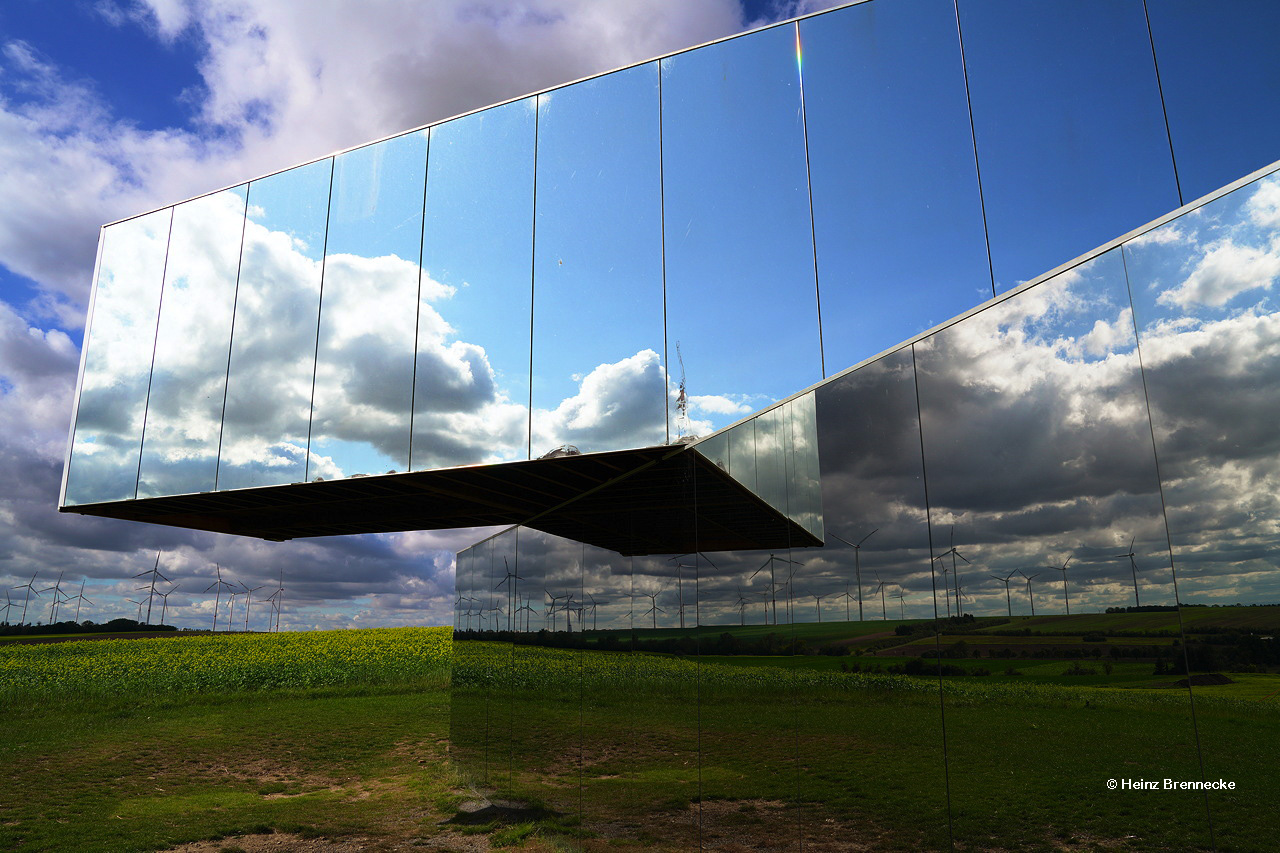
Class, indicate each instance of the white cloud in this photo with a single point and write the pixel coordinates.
(1226, 270)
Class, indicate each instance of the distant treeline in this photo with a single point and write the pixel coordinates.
(86, 627)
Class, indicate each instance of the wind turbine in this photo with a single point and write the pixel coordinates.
(29, 586)
(56, 589)
(1030, 594)
(154, 571)
(741, 604)
(654, 608)
(511, 590)
(1005, 580)
(8, 604)
(818, 603)
(217, 595)
(857, 567)
(773, 580)
(164, 597)
(1063, 569)
(900, 595)
(247, 603)
(1133, 565)
(79, 598)
(880, 585)
(954, 552)
(595, 623)
(139, 603)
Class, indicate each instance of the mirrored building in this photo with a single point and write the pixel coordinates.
(827, 380)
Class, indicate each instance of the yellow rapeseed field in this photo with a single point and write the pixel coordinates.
(224, 662)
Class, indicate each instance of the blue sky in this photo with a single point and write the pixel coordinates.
(109, 108)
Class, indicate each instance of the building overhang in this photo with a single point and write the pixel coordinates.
(645, 501)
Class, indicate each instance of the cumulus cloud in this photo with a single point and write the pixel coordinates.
(1224, 272)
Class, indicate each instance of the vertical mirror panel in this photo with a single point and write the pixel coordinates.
(1070, 134)
(189, 374)
(608, 691)
(471, 380)
(599, 380)
(503, 574)
(742, 314)
(892, 165)
(117, 365)
(869, 719)
(468, 699)
(1217, 65)
(364, 356)
(1204, 293)
(273, 338)
(1048, 531)
(535, 730)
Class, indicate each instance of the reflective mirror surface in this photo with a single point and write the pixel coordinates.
(189, 376)
(471, 385)
(364, 358)
(892, 165)
(741, 299)
(117, 369)
(599, 381)
(273, 340)
(1071, 153)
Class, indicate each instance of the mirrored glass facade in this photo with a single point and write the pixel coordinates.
(935, 528)
(649, 255)
(1047, 553)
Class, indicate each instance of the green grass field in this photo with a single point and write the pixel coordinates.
(141, 745)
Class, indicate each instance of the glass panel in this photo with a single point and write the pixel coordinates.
(598, 377)
(891, 160)
(273, 340)
(1041, 477)
(1204, 294)
(1070, 133)
(741, 303)
(1216, 67)
(117, 367)
(189, 377)
(875, 582)
(468, 696)
(364, 360)
(471, 381)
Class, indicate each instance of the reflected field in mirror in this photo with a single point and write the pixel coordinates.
(1042, 479)
(1203, 288)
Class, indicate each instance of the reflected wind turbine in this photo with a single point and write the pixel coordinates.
(857, 566)
(1133, 565)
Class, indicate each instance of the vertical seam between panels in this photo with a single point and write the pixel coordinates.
(1168, 131)
(155, 338)
(1173, 570)
(235, 300)
(662, 227)
(533, 266)
(973, 137)
(417, 305)
(808, 179)
(933, 579)
(697, 636)
(315, 363)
